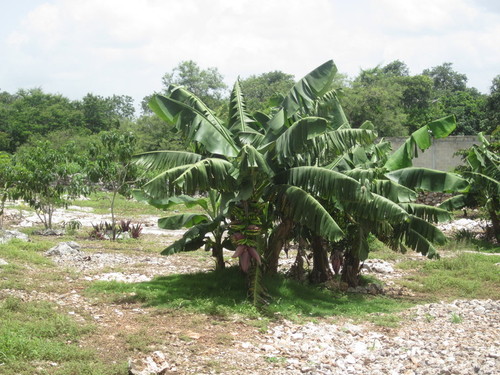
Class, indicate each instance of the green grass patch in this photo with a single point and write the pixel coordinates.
(33, 335)
(223, 293)
(459, 243)
(466, 275)
(101, 204)
(378, 250)
(26, 252)
(385, 320)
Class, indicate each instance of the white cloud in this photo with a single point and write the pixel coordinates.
(124, 47)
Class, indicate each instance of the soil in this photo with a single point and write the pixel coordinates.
(182, 343)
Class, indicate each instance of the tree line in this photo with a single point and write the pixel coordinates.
(396, 102)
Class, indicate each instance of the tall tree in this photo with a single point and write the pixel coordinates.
(446, 79)
(376, 96)
(207, 84)
(493, 107)
(33, 112)
(260, 90)
(274, 173)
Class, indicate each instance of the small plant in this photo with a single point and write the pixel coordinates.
(464, 235)
(135, 230)
(72, 226)
(104, 231)
(456, 319)
(98, 232)
(275, 359)
(429, 318)
(125, 225)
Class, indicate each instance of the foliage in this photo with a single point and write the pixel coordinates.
(207, 84)
(283, 164)
(104, 114)
(111, 165)
(34, 113)
(483, 173)
(106, 231)
(47, 178)
(154, 134)
(377, 96)
(446, 79)
(244, 155)
(136, 230)
(493, 107)
(262, 92)
(398, 103)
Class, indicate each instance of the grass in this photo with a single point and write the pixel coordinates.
(101, 204)
(26, 252)
(34, 338)
(378, 250)
(467, 275)
(21, 256)
(461, 244)
(223, 293)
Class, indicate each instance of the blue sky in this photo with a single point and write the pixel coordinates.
(125, 46)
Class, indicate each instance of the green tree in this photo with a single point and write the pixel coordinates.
(241, 157)
(378, 100)
(207, 84)
(33, 112)
(260, 90)
(389, 212)
(154, 134)
(451, 95)
(99, 113)
(483, 172)
(493, 107)
(445, 79)
(48, 177)
(111, 165)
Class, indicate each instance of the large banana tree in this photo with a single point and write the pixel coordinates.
(391, 213)
(244, 159)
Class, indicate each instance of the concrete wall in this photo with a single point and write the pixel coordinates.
(440, 155)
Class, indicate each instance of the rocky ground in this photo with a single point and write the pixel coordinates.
(461, 337)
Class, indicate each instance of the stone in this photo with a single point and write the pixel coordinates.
(3, 262)
(378, 266)
(154, 364)
(51, 232)
(9, 235)
(123, 236)
(64, 249)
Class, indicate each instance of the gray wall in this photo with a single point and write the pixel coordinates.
(440, 155)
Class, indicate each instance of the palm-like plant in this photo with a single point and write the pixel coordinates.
(483, 173)
(391, 213)
(272, 173)
(245, 157)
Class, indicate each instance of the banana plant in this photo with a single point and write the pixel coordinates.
(483, 173)
(392, 186)
(246, 155)
(205, 229)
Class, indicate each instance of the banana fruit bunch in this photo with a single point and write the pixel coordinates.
(245, 229)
